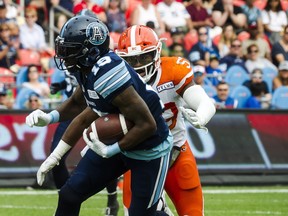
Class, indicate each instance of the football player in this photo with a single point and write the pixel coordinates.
(172, 79)
(60, 173)
(107, 84)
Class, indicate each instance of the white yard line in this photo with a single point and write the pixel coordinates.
(236, 191)
(261, 213)
(205, 191)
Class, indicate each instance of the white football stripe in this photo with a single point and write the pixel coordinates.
(93, 125)
(123, 124)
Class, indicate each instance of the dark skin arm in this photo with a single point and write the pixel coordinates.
(186, 87)
(135, 109)
(131, 106)
(73, 106)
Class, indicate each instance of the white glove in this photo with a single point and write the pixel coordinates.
(38, 118)
(45, 167)
(99, 147)
(53, 160)
(192, 117)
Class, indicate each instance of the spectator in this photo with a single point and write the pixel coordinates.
(5, 101)
(222, 100)
(204, 47)
(256, 38)
(8, 48)
(32, 35)
(34, 102)
(214, 73)
(274, 20)
(4, 16)
(177, 35)
(177, 49)
(208, 5)
(41, 88)
(224, 12)
(91, 5)
(234, 57)
(42, 13)
(174, 14)
(279, 51)
(253, 14)
(226, 39)
(282, 78)
(147, 12)
(12, 9)
(199, 15)
(255, 61)
(115, 13)
(199, 75)
(67, 4)
(259, 89)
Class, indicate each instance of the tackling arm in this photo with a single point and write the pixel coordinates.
(197, 99)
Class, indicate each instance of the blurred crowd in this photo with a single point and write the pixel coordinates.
(238, 48)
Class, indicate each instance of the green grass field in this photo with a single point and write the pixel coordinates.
(219, 201)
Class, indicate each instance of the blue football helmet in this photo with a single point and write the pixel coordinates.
(82, 41)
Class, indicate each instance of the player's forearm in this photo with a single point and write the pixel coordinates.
(199, 101)
(73, 106)
(75, 129)
(136, 111)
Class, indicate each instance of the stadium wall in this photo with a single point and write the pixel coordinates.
(241, 147)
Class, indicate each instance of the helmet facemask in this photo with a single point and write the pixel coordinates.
(145, 62)
(67, 53)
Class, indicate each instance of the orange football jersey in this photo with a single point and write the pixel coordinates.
(173, 75)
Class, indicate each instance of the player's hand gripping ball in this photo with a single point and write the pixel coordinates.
(110, 128)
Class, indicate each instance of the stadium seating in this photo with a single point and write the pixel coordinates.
(6, 76)
(28, 57)
(57, 76)
(210, 90)
(280, 98)
(236, 75)
(268, 75)
(241, 94)
(22, 97)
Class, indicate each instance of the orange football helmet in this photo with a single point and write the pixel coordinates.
(140, 46)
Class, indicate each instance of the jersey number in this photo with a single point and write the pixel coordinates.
(173, 112)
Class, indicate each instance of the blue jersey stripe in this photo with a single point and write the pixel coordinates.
(115, 85)
(159, 184)
(109, 74)
(112, 80)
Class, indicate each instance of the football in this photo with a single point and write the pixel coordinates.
(110, 128)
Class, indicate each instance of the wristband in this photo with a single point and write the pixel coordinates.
(55, 115)
(61, 149)
(113, 149)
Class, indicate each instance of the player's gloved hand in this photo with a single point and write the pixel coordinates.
(55, 87)
(192, 117)
(106, 151)
(38, 118)
(61, 149)
(45, 167)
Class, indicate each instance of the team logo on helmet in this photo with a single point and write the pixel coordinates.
(96, 33)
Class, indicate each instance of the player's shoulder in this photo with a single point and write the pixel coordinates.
(175, 64)
(109, 60)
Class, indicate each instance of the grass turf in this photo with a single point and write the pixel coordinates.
(224, 201)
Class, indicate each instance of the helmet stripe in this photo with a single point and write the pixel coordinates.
(133, 35)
